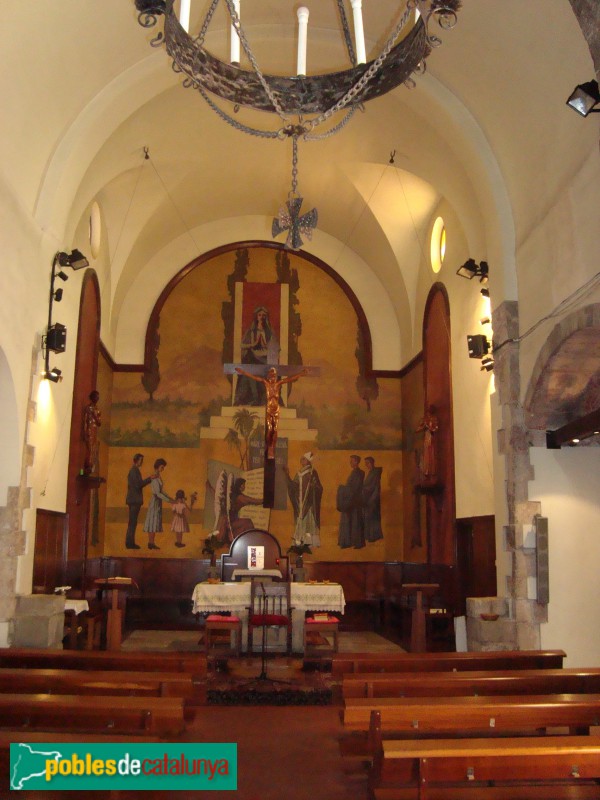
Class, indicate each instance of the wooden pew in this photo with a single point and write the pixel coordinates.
(192, 663)
(98, 682)
(157, 716)
(343, 663)
(482, 682)
(462, 716)
(546, 766)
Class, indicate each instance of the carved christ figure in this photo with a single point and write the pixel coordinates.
(272, 387)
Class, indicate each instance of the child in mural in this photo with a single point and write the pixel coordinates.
(153, 522)
(180, 523)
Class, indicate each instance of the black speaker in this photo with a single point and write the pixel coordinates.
(56, 338)
(478, 345)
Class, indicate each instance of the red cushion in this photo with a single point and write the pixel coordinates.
(329, 619)
(219, 618)
(268, 619)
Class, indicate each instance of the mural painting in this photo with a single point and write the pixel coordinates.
(200, 407)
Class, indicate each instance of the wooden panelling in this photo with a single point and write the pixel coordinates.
(49, 553)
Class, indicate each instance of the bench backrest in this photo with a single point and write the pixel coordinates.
(483, 682)
(446, 662)
(111, 682)
(465, 715)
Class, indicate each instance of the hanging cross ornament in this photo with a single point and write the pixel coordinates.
(289, 218)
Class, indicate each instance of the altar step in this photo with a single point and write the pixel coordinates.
(290, 426)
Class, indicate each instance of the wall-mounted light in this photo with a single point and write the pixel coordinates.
(487, 364)
(54, 375)
(478, 345)
(485, 321)
(585, 98)
(485, 292)
(75, 259)
(470, 269)
(55, 340)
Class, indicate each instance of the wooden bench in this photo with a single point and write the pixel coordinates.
(482, 682)
(99, 682)
(194, 664)
(468, 715)
(473, 766)
(158, 716)
(344, 663)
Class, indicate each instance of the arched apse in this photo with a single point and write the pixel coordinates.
(565, 381)
(135, 312)
(10, 463)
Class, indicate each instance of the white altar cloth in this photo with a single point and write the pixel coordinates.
(235, 597)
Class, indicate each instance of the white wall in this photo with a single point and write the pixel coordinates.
(567, 483)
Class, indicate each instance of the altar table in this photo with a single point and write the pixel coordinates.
(235, 597)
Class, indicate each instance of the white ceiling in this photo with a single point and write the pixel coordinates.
(486, 131)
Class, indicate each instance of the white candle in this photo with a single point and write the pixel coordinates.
(302, 37)
(184, 14)
(359, 34)
(235, 39)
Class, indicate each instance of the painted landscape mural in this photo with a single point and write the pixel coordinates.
(252, 308)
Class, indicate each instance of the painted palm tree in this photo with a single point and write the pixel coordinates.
(239, 436)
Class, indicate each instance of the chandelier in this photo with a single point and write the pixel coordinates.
(307, 107)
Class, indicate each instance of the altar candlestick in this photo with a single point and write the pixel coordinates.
(302, 36)
(184, 14)
(235, 39)
(359, 34)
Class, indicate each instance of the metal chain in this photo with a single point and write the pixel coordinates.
(294, 166)
(346, 30)
(206, 23)
(316, 137)
(235, 21)
(233, 122)
(357, 88)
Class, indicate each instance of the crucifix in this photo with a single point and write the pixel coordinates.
(272, 384)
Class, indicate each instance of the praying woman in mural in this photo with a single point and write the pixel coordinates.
(91, 422)
(258, 343)
(181, 509)
(429, 425)
(305, 492)
(238, 500)
(349, 504)
(153, 523)
(272, 387)
(371, 501)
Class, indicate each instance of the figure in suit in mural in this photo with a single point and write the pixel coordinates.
(349, 504)
(153, 522)
(371, 501)
(134, 499)
(305, 492)
(258, 343)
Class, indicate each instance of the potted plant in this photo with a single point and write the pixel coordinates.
(300, 550)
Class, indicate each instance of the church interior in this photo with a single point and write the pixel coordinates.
(416, 265)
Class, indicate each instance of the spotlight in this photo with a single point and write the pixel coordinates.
(470, 270)
(485, 292)
(62, 275)
(58, 295)
(55, 375)
(585, 98)
(487, 364)
(75, 259)
(485, 321)
(478, 345)
(56, 338)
